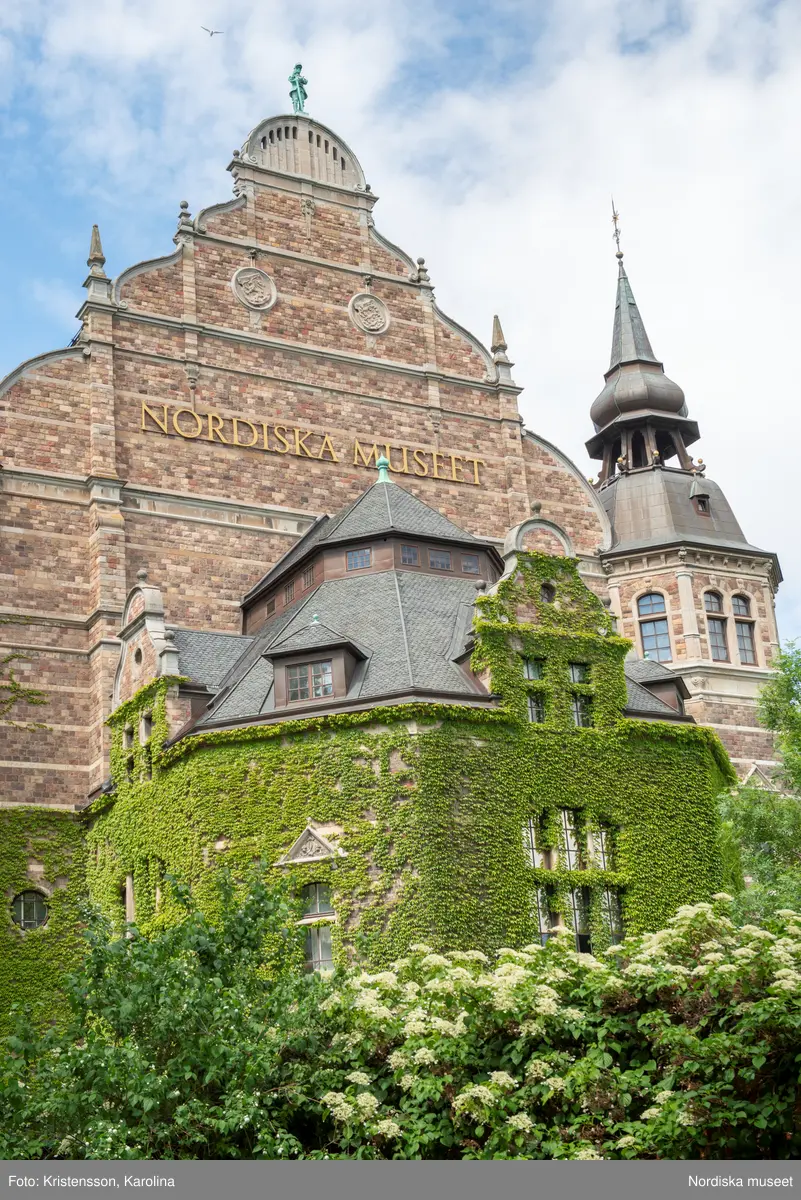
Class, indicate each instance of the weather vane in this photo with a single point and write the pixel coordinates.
(616, 234)
(297, 93)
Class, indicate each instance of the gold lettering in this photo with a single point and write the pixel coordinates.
(236, 422)
(301, 441)
(359, 453)
(454, 460)
(476, 462)
(327, 446)
(435, 455)
(404, 470)
(215, 429)
(279, 431)
(192, 413)
(162, 424)
(419, 463)
(264, 434)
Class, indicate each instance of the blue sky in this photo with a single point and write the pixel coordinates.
(494, 135)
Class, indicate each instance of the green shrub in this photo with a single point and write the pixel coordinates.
(205, 1041)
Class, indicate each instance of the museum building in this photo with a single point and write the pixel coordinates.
(299, 587)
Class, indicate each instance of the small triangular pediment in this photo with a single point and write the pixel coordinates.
(310, 847)
(756, 777)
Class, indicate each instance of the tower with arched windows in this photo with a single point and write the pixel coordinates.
(685, 584)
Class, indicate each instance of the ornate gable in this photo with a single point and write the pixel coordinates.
(310, 847)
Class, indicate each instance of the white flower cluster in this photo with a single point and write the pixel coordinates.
(520, 1121)
(389, 1129)
(474, 1098)
(359, 1077)
(340, 1106)
(503, 1079)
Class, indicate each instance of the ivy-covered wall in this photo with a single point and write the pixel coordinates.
(430, 800)
(40, 850)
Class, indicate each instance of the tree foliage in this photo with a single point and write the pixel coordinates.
(205, 1041)
(780, 710)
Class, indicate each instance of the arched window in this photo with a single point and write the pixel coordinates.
(654, 631)
(29, 910)
(744, 628)
(713, 602)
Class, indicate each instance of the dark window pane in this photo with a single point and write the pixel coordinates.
(579, 673)
(717, 640)
(582, 711)
(611, 915)
(297, 682)
(270, 607)
(322, 679)
(440, 559)
(29, 910)
(741, 606)
(533, 668)
(653, 602)
(580, 907)
(713, 602)
(289, 592)
(745, 642)
(308, 577)
(358, 559)
(536, 709)
(470, 564)
(656, 640)
(410, 556)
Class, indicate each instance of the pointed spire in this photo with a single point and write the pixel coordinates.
(498, 340)
(630, 342)
(96, 260)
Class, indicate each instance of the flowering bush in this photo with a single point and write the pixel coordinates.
(679, 1044)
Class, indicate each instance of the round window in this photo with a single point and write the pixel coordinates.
(29, 910)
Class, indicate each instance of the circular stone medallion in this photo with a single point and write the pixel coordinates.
(254, 288)
(368, 313)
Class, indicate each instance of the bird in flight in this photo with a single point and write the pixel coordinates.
(211, 32)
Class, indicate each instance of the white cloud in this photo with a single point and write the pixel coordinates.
(502, 178)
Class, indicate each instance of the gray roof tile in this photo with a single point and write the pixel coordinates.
(207, 657)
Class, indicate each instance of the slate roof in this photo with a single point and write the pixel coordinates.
(207, 657)
(309, 637)
(642, 703)
(407, 625)
(384, 508)
(653, 508)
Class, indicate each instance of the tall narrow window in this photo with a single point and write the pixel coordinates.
(534, 856)
(269, 607)
(601, 844)
(745, 642)
(536, 709)
(611, 915)
(571, 844)
(308, 578)
(533, 668)
(289, 592)
(654, 632)
(580, 907)
(718, 644)
(542, 914)
(581, 707)
(317, 903)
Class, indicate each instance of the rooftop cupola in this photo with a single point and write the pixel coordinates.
(640, 416)
(296, 144)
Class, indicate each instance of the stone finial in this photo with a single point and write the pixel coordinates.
(141, 575)
(383, 469)
(185, 224)
(498, 340)
(315, 619)
(96, 260)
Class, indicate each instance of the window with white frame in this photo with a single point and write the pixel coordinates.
(654, 630)
(317, 907)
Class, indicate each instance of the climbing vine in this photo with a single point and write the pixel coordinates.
(427, 802)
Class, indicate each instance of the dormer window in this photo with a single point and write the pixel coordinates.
(358, 560)
(439, 560)
(470, 564)
(309, 681)
(702, 505)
